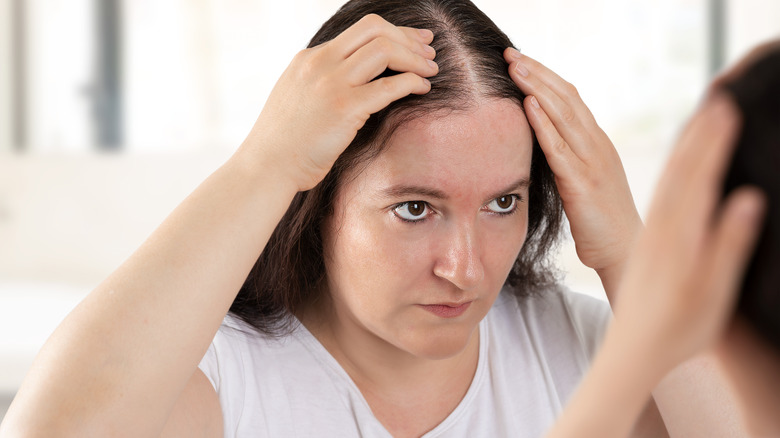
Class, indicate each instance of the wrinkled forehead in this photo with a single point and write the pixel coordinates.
(486, 144)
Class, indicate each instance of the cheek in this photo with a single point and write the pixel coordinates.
(370, 264)
(504, 244)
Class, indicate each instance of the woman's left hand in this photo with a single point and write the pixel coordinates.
(588, 171)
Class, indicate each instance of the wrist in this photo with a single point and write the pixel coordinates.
(611, 274)
(260, 167)
(639, 359)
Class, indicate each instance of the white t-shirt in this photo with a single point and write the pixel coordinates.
(532, 354)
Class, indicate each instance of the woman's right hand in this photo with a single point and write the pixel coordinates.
(328, 92)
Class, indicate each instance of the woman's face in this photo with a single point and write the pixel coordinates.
(423, 238)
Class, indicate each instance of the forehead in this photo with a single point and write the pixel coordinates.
(487, 145)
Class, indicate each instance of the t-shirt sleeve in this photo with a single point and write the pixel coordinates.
(590, 318)
(223, 365)
(209, 365)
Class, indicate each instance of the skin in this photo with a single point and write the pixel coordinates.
(751, 366)
(95, 377)
(680, 286)
(382, 268)
(588, 172)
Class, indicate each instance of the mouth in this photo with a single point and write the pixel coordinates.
(447, 310)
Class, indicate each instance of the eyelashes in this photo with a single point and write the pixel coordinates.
(419, 211)
(412, 211)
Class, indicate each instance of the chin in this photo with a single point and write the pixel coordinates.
(441, 342)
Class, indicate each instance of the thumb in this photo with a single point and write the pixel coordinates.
(734, 237)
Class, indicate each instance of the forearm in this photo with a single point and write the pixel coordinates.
(612, 274)
(695, 401)
(610, 279)
(119, 360)
(613, 394)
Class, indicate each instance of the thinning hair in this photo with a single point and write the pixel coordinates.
(290, 273)
(756, 162)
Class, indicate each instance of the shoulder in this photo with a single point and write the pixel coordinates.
(288, 385)
(238, 363)
(239, 350)
(541, 345)
(557, 314)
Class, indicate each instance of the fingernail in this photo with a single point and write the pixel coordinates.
(514, 53)
(428, 49)
(534, 102)
(425, 33)
(521, 70)
(433, 64)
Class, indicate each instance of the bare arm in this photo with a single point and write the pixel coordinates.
(126, 352)
(119, 362)
(694, 394)
(680, 286)
(197, 413)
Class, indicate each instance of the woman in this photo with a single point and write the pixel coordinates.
(401, 210)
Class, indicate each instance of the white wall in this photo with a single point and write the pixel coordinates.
(750, 22)
(65, 223)
(5, 76)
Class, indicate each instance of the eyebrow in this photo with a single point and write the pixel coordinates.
(405, 191)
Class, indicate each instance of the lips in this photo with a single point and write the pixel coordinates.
(447, 310)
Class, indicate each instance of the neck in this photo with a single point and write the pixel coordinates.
(408, 394)
(379, 367)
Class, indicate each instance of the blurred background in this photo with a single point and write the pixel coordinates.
(112, 111)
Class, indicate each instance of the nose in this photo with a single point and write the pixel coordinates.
(460, 260)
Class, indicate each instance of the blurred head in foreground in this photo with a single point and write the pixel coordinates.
(751, 350)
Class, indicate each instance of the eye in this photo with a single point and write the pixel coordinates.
(412, 211)
(503, 204)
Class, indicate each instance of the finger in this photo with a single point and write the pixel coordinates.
(377, 94)
(381, 53)
(424, 36)
(706, 144)
(734, 238)
(689, 188)
(562, 160)
(373, 26)
(565, 90)
(562, 115)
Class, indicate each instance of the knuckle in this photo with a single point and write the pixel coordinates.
(373, 21)
(558, 145)
(567, 114)
(303, 57)
(307, 62)
(388, 86)
(383, 45)
(340, 104)
(571, 90)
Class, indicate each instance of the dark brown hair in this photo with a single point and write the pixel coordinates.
(290, 272)
(756, 162)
